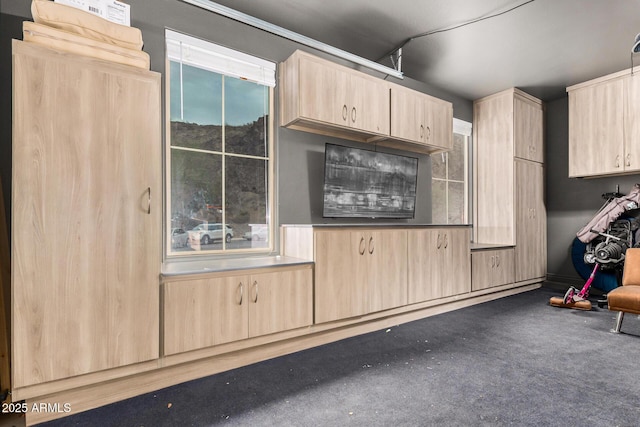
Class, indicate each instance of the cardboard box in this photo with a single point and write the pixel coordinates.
(112, 10)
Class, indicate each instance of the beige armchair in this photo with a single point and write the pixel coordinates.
(626, 298)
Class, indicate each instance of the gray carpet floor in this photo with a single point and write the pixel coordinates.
(515, 361)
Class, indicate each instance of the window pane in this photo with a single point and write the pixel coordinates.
(456, 158)
(439, 202)
(196, 195)
(246, 199)
(439, 165)
(456, 203)
(245, 111)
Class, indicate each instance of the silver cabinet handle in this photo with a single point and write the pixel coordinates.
(354, 114)
(255, 291)
(149, 200)
(371, 245)
(446, 240)
(362, 248)
(439, 241)
(629, 159)
(241, 292)
(497, 260)
(421, 131)
(428, 132)
(618, 161)
(344, 112)
(493, 261)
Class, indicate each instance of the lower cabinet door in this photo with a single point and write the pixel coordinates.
(492, 268)
(280, 301)
(205, 312)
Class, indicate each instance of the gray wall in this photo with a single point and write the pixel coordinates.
(571, 202)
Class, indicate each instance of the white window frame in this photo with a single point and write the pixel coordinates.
(463, 128)
(228, 62)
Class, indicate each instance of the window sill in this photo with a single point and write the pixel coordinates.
(180, 268)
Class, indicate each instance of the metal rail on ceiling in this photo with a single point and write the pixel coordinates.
(290, 35)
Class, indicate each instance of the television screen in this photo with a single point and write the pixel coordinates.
(368, 184)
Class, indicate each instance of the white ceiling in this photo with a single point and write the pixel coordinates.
(541, 47)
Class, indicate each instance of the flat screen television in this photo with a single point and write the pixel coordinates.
(368, 184)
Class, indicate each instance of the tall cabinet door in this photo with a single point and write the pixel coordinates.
(528, 129)
(596, 130)
(494, 187)
(339, 271)
(531, 249)
(387, 269)
(86, 212)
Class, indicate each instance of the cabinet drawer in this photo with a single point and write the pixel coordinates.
(492, 268)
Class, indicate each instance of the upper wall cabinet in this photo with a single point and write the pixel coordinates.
(322, 97)
(603, 126)
(420, 118)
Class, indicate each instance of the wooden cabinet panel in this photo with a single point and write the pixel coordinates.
(494, 185)
(491, 268)
(631, 159)
(322, 97)
(531, 249)
(359, 272)
(316, 92)
(387, 269)
(86, 231)
(205, 312)
(528, 129)
(337, 294)
(420, 118)
(439, 263)
(280, 301)
(323, 91)
(596, 144)
(200, 313)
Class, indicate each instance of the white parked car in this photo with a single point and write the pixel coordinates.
(179, 238)
(208, 233)
(258, 232)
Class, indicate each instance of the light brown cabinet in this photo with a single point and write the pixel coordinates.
(358, 272)
(318, 95)
(439, 263)
(86, 215)
(509, 181)
(596, 130)
(507, 125)
(420, 118)
(203, 312)
(490, 268)
(603, 126)
(531, 220)
(322, 97)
